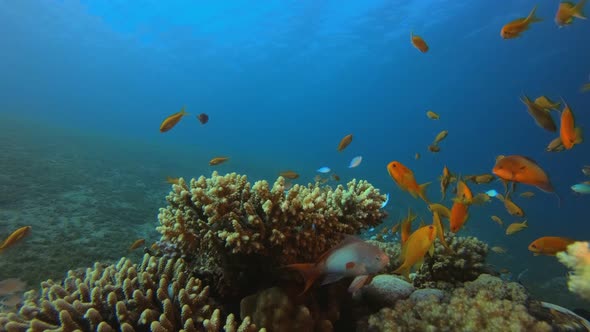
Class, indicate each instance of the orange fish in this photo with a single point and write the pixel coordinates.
(415, 248)
(15, 237)
(522, 170)
(351, 258)
(445, 180)
(404, 178)
(567, 11)
(585, 87)
(138, 243)
(217, 161)
(440, 231)
(406, 226)
(289, 175)
(464, 194)
(459, 215)
(434, 148)
(172, 120)
(172, 180)
(418, 43)
(344, 142)
(567, 130)
(550, 245)
(518, 26)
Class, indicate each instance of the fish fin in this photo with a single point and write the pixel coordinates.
(422, 191)
(332, 278)
(578, 10)
(183, 111)
(357, 283)
(310, 273)
(431, 250)
(404, 271)
(532, 18)
(500, 197)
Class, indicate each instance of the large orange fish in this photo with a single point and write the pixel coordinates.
(15, 237)
(550, 245)
(567, 130)
(567, 11)
(404, 178)
(414, 250)
(522, 170)
(172, 120)
(351, 258)
(418, 43)
(518, 26)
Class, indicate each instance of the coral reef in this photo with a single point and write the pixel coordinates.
(446, 270)
(236, 233)
(577, 258)
(486, 304)
(156, 295)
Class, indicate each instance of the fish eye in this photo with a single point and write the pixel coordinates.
(378, 258)
(430, 227)
(533, 245)
(394, 165)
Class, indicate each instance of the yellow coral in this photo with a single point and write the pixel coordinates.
(577, 258)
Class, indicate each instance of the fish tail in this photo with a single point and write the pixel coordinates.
(183, 111)
(309, 272)
(578, 10)
(422, 191)
(532, 18)
(404, 271)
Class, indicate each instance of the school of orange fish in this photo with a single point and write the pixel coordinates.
(359, 259)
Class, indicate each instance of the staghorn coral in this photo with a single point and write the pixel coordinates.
(156, 295)
(476, 307)
(448, 270)
(577, 258)
(238, 233)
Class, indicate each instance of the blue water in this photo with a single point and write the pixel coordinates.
(284, 81)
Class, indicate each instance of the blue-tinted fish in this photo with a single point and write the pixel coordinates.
(492, 193)
(355, 161)
(582, 188)
(324, 170)
(384, 204)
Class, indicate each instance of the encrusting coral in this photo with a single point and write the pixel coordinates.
(486, 304)
(157, 295)
(241, 233)
(577, 258)
(446, 270)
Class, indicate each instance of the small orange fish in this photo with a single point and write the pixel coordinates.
(464, 194)
(541, 116)
(15, 237)
(418, 43)
(415, 248)
(550, 245)
(395, 228)
(518, 26)
(217, 161)
(434, 148)
(138, 243)
(446, 179)
(459, 215)
(172, 180)
(567, 11)
(547, 103)
(406, 226)
(290, 175)
(567, 130)
(172, 120)
(404, 178)
(433, 116)
(442, 210)
(344, 142)
(440, 136)
(516, 227)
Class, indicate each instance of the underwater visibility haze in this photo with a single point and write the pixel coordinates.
(317, 135)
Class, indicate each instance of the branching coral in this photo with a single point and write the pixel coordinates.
(156, 295)
(228, 227)
(577, 258)
(477, 307)
(447, 270)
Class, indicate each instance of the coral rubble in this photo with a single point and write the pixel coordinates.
(486, 304)
(241, 233)
(577, 258)
(446, 270)
(157, 295)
